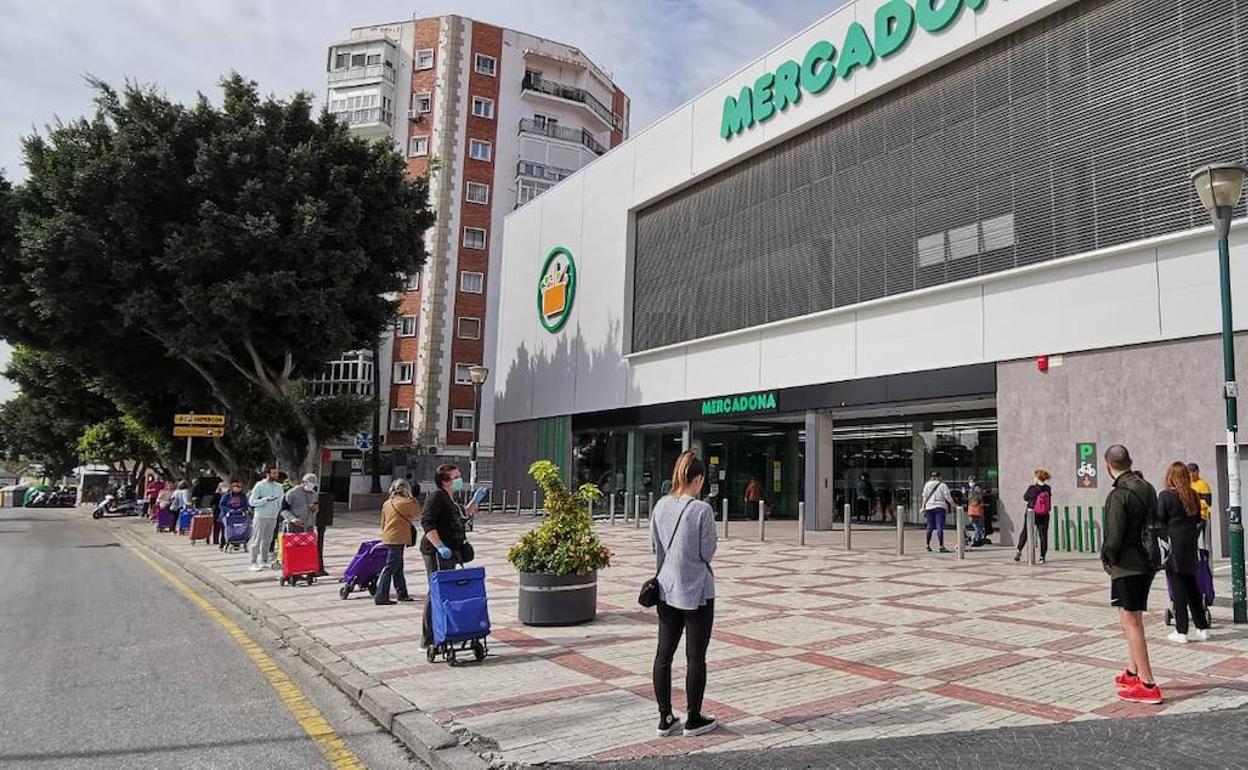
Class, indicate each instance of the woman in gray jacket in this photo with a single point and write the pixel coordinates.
(682, 536)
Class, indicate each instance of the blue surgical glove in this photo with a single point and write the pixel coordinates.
(444, 552)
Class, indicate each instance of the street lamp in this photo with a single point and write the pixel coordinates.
(479, 375)
(1219, 187)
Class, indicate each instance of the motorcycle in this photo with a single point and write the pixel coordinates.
(115, 505)
(54, 497)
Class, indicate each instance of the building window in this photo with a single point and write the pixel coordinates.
(342, 61)
(472, 283)
(469, 328)
(480, 149)
(478, 193)
(424, 59)
(528, 189)
(407, 326)
(401, 419)
(422, 102)
(463, 374)
(418, 145)
(372, 59)
(413, 282)
(544, 121)
(486, 65)
(403, 372)
(357, 60)
(474, 238)
(482, 107)
(463, 421)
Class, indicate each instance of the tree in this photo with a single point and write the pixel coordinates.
(246, 245)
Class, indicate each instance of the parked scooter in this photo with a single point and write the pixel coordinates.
(112, 504)
(53, 497)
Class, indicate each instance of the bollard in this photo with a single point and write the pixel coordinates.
(801, 523)
(519, 501)
(899, 513)
(961, 519)
(1055, 528)
(535, 502)
(649, 505)
(504, 501)
(1079, 527)
(1091, 533)
(849, 529)
(1066, 529)
(626, 510)
(637, 512)
(724, 505)
(611, 507)
(1031, 537)
(762, 523)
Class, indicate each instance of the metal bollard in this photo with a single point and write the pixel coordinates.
(637, 512)
(801, 523)
(849, 529)
(724, 505)
(611, 507)
(961, 519)
(762, 523)
(649, 505)
(899, 513)
(519, 501)
(626, 510)
(535, 502)
(504, 501)
(1030, 523)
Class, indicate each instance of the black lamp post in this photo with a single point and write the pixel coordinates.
(479, 375)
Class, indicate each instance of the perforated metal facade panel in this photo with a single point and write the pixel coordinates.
(1073, 134)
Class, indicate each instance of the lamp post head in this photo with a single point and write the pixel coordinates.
(479, 374)
(1219, 185)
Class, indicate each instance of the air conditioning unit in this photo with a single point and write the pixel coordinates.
(416, 115)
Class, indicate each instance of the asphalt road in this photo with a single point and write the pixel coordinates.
(103, 663)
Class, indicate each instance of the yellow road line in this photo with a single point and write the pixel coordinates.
(307, 715)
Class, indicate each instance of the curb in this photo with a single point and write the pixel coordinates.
(432, 743)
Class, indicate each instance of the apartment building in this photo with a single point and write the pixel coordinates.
(495, 117)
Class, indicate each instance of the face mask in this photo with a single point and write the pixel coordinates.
(309, 487)
(457, 485)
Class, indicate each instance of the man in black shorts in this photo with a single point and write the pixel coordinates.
(1131, 504)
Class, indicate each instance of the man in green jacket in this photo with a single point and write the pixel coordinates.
(1131, 505)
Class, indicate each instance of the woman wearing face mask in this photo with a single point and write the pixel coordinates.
(444, 532)
(304, 504)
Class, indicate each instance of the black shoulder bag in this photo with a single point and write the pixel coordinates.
(649, 596)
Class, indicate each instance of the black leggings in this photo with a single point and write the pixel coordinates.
(696, 625)
(1185, 593)
(1042, 534)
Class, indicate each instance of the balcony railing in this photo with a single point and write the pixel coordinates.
(542, 171)
(541, 85)
(366, 117)
(369, 72)
(528, 126)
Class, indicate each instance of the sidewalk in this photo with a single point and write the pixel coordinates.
(812, 645)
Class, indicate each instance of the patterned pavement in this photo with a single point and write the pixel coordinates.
(812, 646)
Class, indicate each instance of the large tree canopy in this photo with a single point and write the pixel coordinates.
(244, 245)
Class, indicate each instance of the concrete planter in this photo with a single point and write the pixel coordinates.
(557, 600)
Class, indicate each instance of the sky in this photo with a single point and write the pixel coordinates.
(661, 52)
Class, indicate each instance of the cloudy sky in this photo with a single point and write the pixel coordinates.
(662, 52)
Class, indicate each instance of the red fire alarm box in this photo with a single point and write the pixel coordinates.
(1042, 363)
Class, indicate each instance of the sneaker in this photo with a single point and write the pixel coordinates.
(1018, 555)
(1202, 635)
(384, 601)
(944, 550)
(700, 725)
(1042, 560)
(929, 549)
(1126, 679)
(255, 567)
(1138, 692)
(1177, 638)
(669, 724)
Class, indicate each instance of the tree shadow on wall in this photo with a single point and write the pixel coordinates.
(568, 367)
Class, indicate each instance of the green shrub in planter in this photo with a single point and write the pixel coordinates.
(565, 543)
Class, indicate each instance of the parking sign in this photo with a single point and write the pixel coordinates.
(1085, 465)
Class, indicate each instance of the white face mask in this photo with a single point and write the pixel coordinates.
(309, 486)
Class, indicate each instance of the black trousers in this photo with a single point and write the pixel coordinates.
(320, 545)
(433, 563)
(218, 530)
(1185, 593)
(1042, 534)
(696, 627)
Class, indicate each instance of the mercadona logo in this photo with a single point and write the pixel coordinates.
(556, 289)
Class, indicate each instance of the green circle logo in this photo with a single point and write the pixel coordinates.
(556, 288)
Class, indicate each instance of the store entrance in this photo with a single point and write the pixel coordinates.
(754, 462)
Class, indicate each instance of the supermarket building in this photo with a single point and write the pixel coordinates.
(951, 235)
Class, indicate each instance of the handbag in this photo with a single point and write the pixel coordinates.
(649, 595)
(466, 553)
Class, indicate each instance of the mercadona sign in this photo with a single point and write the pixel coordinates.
(894, 24)
(751, 402)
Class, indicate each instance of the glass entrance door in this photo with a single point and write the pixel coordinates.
(749, 463)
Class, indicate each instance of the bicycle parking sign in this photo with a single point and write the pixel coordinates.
(1085, 465)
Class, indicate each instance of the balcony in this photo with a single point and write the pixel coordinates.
(366, 118)
(538, 84)
(362, 74)
(578, 135)
(542, 171)
(350, 375)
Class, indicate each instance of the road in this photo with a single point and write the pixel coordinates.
(105, 663)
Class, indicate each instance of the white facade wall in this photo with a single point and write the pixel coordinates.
(1162, 289)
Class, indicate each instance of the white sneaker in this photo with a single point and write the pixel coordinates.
(1202, 634)
(1177, 638)
(255, 567)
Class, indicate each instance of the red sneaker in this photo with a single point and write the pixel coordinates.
(1126, 679)
(1136, 692)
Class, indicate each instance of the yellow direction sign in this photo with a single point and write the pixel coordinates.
(215, 420)
(190, 431)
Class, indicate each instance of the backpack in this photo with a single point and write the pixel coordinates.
(1153, 540)
(1043, 503)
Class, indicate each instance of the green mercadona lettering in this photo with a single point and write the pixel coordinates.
(754, 402)
(894, 24)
